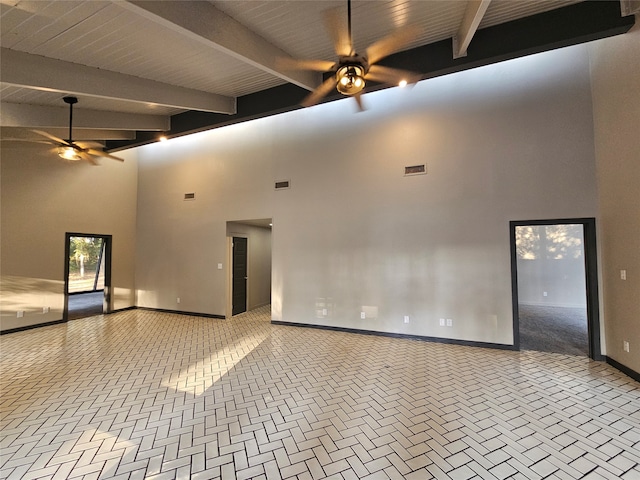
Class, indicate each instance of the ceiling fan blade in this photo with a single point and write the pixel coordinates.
(27, 140)
(338, 31)
(392, 43)
(98, 153)
(85, 156)
(319, 92)
(358, 98)
(381, 74)
(85, 144)
(52, 137)
(315, 65)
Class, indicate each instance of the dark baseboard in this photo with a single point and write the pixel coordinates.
(624, 369)
(179, 312)
(31, 327)
(450, 341)
(55, 322)
(118, 310)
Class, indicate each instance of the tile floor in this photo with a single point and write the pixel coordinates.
(142, 394)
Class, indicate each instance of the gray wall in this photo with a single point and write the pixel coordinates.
(615, 68)
(42, 198)
(512, 141)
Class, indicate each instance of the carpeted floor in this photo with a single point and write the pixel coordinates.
(83, 305)
(554, 329)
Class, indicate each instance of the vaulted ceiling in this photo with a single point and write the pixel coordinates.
(141, 68)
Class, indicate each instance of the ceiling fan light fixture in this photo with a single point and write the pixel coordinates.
(68, 153)
(350, 79)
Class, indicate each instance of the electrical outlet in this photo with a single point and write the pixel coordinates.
(20, 313)
(625, 346)
(324, 312)
(406, 319)
(442, 322)
(45, 310)
(449, 322)
(363, 315)
(178, 300)
(544, 294)
(623, 274)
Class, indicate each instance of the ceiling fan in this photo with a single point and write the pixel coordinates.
(351, 71)
(70, 150)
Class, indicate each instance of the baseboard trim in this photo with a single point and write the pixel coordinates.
(450, 341)
(623, 368)
(118, 310)
(31, 327)
(179, 312)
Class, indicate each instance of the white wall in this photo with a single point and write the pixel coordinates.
(42, 198)
(512, 141)
(615, 69)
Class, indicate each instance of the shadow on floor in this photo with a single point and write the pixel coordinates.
(83, 305)
(554, 329)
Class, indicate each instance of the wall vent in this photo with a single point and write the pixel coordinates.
(189, 196)
(416, 170)
(282, 184)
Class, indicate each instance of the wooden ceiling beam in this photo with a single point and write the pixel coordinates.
(472, 17)
(203, 22)
(21, 133)
(48, 74)
(35, 116)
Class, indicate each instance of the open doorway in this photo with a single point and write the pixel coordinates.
(87, 275)
(554, 282)
(249, 260)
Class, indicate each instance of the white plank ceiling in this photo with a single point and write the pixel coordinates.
(186, 60)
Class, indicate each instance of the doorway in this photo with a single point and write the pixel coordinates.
(555, 289)
(249, 260)
(87, 275)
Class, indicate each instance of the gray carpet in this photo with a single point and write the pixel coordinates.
(83, 305)
(554, 329)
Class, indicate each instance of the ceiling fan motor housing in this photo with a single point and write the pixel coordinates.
(350, 74)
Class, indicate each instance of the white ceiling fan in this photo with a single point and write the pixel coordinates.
(70, 150)
(351, 71)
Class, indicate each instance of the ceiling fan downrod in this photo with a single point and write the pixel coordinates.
(70, 101)
(349, 22)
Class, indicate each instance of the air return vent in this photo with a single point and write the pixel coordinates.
(190, 196)
(415, 170)
(282, 184)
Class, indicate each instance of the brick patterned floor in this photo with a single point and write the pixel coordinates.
(142, 394)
